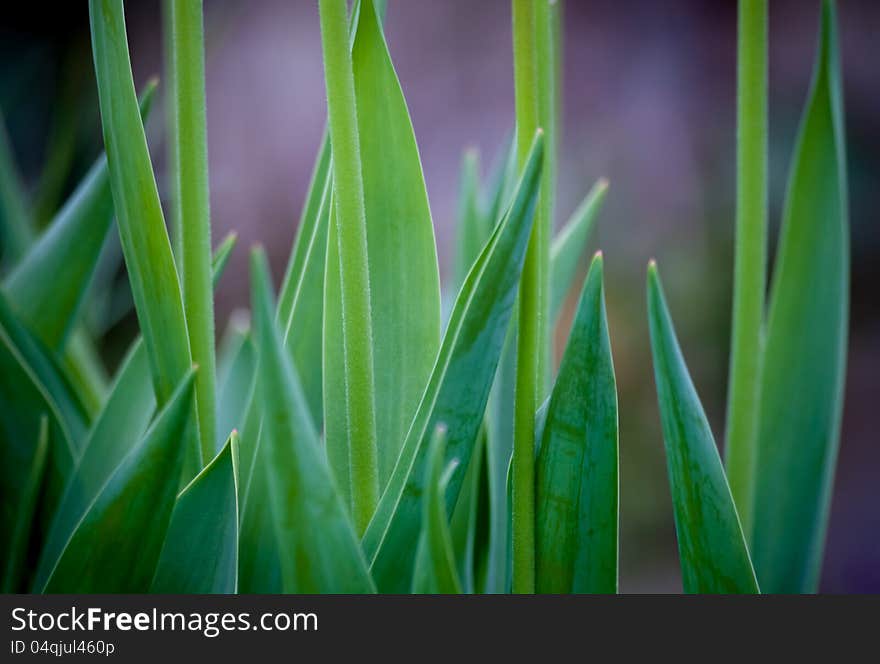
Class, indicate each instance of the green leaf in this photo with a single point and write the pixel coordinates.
(712, 550)
(151, 271)
(463, 520)
(303, 325)
(458, 389)
(200, 554)
(401, 250)
(435, 569)
(237, 363)
(472, 228)
(221, 257)
(16, 232)
(568, 246)
(318, 548)
(577, 466)
(116, 545)
(48, 286)
(119, 427)
(806, 340)
(26, 510)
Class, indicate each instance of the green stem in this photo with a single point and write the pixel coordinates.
(530, 351)
(187, 51)
(354, 275)
(751, 256)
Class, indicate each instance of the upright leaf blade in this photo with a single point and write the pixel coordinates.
(435, 571)
(116, 545)
(712, 550)
(568, 246)
(151, 271)
(806, 337)
(458, 389)
(200, 553)
(318, 549)
(577, 467)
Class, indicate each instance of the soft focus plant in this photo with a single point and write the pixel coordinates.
(372, 432)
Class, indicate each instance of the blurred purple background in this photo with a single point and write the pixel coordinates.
(648, 102)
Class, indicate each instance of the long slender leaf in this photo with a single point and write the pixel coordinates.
(458, 389)
(577, 480)
(116, 545)
(712, 550)
(401, 250)
(48, 286)
(318, 548)
(435, 568)
(151, 271)
(805, 352)
(200, 553)
(472, 228)
(237, 364)
(568, 246)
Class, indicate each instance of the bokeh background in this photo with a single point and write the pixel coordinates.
(648, 101)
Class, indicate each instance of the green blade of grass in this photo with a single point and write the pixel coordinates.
(82, 364)
(463, 520)
(358, 398)
(750, 266)
(401, 249)
(805, 352)
(26, 510)
(200, 553)
(16, 231)
(711, 546)
(187, 51)
(435, 567)
(568, 246)
(152, 275)
(221, 257)
(458, 389)
(48, 286)
(577, 467)
(116, 545)
(319, 551)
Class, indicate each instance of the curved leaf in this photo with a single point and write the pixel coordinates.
(711, 547)
(458, 389)
(806, 338)
(116, 545)
(48, 286)
(577, 466)
(568, 246)
(200, 553)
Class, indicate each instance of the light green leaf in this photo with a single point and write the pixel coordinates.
(151, 271)
(711, 547)
(435, 568)
(568, 246)
(237, 363)
(463, 520)
(472, 228)
(200, 554)
(577, 467)
(401, 250)
(317, 545)
(48, 286)
(26, 510)
(221, 257)
(806, 340)
(458, 389)
(116, 545)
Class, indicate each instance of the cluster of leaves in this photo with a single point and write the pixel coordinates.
(363, 435)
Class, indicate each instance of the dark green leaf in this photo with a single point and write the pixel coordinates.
(576, 475)
(711, 546)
